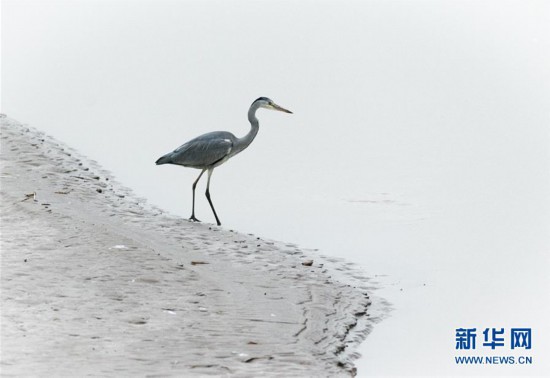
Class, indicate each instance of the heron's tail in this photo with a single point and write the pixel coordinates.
(166, 159)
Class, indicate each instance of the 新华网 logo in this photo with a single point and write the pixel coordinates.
(492, 339)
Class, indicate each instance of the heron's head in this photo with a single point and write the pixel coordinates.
(267, 103)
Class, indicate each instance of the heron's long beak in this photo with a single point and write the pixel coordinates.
(281, 109)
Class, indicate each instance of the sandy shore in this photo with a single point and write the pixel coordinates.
(96, 282)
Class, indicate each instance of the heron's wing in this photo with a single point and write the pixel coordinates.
(203, 151)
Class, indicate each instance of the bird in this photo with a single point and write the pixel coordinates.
(211, 150)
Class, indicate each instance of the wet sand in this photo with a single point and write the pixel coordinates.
(94, 281)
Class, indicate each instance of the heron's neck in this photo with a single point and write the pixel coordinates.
(248, 138)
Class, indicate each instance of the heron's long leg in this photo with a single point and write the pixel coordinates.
(208, 196)
(194, 186)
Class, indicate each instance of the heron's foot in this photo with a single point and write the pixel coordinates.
(193, 219)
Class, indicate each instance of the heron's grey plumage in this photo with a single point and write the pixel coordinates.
(213, 149)
(208, 150)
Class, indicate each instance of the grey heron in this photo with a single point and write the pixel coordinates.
(210, 150)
